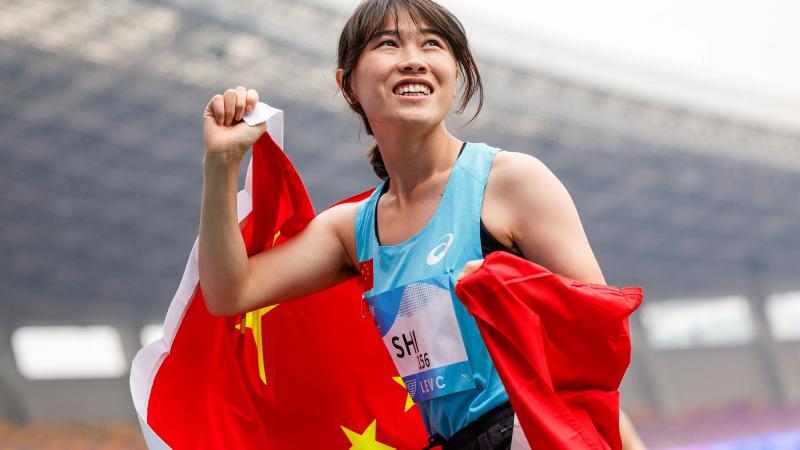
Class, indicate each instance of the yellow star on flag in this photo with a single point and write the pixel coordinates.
(252, 320)
(365, 440)
(409, 400)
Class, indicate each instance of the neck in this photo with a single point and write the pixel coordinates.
(416, 160)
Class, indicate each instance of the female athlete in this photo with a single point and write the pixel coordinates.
(443, 204)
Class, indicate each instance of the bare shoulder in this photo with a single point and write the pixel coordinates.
(341, 212)
(512, 171)
(521, 188)
(341, 220)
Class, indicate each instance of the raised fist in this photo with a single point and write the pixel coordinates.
(224, 132)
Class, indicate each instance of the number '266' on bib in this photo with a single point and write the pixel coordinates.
(419, 328)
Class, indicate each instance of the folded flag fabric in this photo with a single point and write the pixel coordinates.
(308, 374)
(561, 348)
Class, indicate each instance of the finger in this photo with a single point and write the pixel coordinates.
(230, 106)
(216, 109)
(470, 267)
(241, 98)
(252, 99)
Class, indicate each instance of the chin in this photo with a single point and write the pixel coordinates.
(418, 120)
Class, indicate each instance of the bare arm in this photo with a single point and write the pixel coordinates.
(528, 207)
(630, 438)
(231, 282)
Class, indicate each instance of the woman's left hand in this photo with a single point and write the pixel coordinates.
(469, 267)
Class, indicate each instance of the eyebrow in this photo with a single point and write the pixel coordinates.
(381, 33)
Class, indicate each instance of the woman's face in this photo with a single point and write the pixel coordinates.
(405, 76)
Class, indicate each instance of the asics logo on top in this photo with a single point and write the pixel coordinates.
(439, 252)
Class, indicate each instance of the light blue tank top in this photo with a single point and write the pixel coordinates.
(432, 339)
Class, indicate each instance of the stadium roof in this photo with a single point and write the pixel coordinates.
(100, 180)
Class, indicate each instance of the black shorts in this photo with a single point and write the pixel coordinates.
(492, 431)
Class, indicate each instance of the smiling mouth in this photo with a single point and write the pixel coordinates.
(413, 90)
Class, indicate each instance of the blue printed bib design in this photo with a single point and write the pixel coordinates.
(419, 328)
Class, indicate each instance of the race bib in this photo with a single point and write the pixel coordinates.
(419, 328)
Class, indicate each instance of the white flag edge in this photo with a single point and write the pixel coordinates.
(148, 360)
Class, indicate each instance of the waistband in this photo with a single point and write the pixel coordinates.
(469, 434)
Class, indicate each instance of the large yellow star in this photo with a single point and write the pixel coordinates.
(365, 440)
(409, 400)
(252, 320)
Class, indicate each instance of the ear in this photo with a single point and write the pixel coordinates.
(339, 76)
(339, 79)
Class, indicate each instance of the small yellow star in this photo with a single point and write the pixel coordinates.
(409, 400)
(365, 440)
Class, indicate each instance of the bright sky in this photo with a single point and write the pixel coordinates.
(749, 46)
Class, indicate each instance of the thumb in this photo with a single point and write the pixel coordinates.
(253, 132)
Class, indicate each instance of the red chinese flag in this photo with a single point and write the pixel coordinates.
(561, 348)
(313, 373)
(308, 374)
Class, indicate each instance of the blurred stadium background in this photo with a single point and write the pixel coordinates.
(687, 188)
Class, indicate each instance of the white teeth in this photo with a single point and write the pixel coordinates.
(412, 89)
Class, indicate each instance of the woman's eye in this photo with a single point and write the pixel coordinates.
(389, 42)
(433, 41)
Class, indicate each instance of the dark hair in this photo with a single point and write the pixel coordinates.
(369, 17)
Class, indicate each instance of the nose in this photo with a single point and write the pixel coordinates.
(415, 66)
(412, 62)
